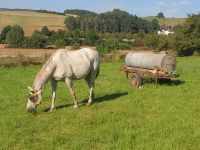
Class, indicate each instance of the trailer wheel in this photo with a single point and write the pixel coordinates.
(136, 80)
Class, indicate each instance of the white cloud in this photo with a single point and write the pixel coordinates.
(170, 7)
(184, 2)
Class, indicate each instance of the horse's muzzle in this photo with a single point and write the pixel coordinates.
(31, 107)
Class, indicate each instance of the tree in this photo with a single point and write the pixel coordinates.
(187, 38)
(0, 39)
(152, 40)
(154, 24)
(59, 39)
(108, 46)
(160, 15)
(71, 23)
(45, 31)
(15, 37)
(90, 38)
(112, 22)
(52, 32)
(4, 32)
(37, 40)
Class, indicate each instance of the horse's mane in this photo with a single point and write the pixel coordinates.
(44, 74)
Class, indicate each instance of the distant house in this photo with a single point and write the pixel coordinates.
(165, 32)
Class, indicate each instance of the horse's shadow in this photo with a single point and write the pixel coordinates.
(106, 97)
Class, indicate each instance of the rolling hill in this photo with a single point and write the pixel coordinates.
(167, 21)
(31, 20)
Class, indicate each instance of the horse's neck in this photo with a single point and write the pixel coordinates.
(44, 75)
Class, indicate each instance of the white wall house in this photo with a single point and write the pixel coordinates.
(165, 32)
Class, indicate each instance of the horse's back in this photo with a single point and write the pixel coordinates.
(77, 63)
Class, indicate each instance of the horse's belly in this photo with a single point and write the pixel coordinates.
(77, 72)
(80, 71)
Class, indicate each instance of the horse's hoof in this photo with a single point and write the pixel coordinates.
(75, 106)
(88, 104)
(51, 109)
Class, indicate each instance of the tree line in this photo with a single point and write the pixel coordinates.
(112, 22)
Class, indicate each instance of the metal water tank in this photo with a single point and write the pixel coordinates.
(162, 62)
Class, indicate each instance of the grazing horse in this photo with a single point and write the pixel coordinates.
(65, 66)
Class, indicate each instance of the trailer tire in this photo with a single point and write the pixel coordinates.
(136, 80)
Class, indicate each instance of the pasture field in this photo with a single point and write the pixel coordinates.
(156, 117)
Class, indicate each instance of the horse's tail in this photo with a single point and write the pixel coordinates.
(97, 72)
(97, 64)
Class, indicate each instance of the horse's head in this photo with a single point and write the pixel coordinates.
(34, 99)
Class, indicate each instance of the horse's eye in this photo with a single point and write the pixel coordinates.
(32, 92)
(32, 98)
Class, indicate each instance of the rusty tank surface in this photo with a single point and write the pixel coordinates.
(163, 62)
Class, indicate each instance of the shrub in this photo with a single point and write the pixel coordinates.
(184, 52)
(4, 32)
(123, 46)
(59, 39)
(52, 32)
(138, 42)
(59, 43)
(152, 40)
(0, 38)
(165, 43)
(187, 39)
(107, 46)
(15, 37)
(90, 38)
(45, 31)
(37, 40)
(71, 23)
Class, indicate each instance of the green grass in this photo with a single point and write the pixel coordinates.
(122, 117)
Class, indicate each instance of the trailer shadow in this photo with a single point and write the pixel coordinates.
(171, 82)
(106, 97)
(167, 82)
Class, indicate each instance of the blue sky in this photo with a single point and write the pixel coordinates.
(170, 8)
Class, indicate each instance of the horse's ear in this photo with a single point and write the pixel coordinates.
(30, 88)
(39, 91)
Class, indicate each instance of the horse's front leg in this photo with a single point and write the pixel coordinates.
(72, 91)
(54, 88)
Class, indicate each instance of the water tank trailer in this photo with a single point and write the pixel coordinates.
(153, 65)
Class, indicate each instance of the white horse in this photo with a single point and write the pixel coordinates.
(66, 66)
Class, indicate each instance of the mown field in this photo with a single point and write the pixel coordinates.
(31, 21)
(155, 117)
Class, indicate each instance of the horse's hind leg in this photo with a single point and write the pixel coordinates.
(54, 87)
(90, 82)
(72, 91)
